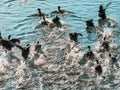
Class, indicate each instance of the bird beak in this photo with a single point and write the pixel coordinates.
(17, 43)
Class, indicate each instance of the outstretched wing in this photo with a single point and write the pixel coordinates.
(108, 5)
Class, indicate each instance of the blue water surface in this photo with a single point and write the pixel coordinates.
(15, 21)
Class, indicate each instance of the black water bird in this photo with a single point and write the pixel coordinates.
(25, 50)
(39, 14)
(90, 26)
(101, 12)
(105, 45)
(90, 53)
(14, 40)
(98, 68)
(74, 36)
(44, 22)
(56, 22)
(1, 36)
(6, 43)
(90, 22)
(60, 11)
(38, 47)
(113, 60)
(56, 19)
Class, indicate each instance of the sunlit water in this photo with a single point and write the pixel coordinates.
(62, 66)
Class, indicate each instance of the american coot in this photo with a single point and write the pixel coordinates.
(101, 12)
(105, 45)
(98, 68)
(113, 60)
(89, 53)
(90, 26)
(37, 47)
(6, 43)
(74, 36)
(14, 40)
(39, 14)
(60, 11)
(56, 22)
(25, 50)
(44, 22)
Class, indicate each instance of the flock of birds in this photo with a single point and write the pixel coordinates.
(91, 28)
(104, 45)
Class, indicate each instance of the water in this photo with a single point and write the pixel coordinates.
(62, 69)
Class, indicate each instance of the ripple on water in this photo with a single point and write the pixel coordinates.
(61, 65)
